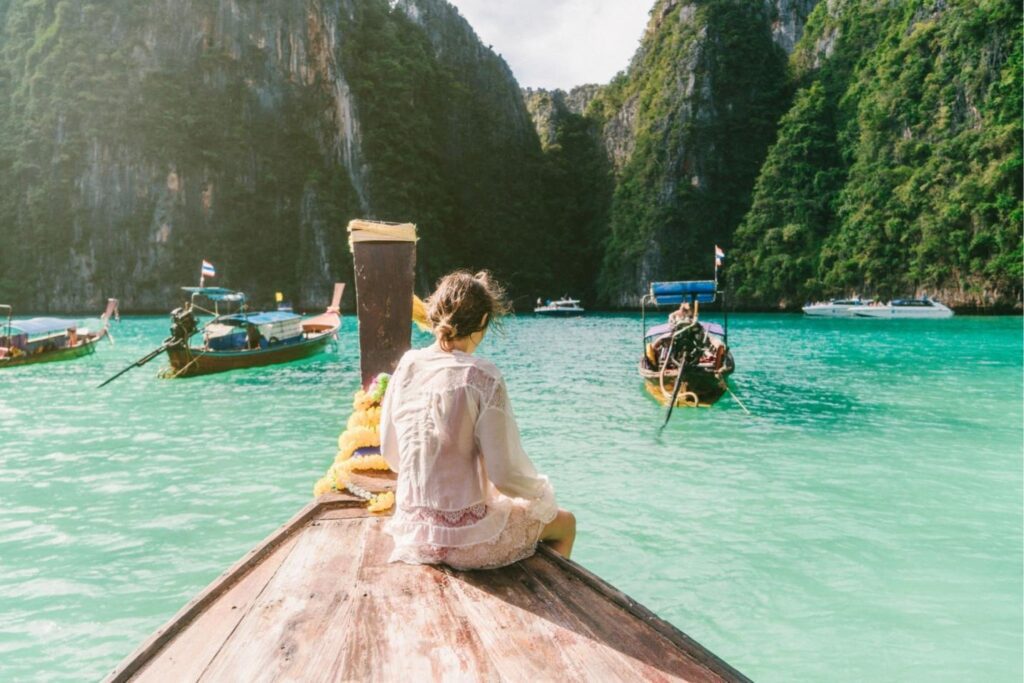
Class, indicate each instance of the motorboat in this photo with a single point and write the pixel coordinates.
(562, 308)
(836, 308)
(904, 309)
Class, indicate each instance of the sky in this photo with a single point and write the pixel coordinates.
(559, 43)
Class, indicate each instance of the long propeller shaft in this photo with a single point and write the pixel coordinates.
(141, 361)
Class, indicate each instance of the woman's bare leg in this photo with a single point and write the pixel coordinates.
(560, 533)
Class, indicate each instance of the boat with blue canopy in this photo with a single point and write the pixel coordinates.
(243, 338)
(43, 340)
(685, 361)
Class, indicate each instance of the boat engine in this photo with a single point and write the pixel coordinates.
(183, 325)
(688, 344)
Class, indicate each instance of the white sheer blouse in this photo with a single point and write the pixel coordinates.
(448, 430)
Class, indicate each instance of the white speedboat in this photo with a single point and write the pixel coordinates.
(904, 308)
(564, 308)
(836, 308)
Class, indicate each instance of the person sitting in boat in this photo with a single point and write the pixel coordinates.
(682, 314)
(468, 496)
(252, 337)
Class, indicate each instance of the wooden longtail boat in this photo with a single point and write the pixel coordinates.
(686, 348)
(246, 339)
(319, 601)
(44, 340)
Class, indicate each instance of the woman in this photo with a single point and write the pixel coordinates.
(468, 496)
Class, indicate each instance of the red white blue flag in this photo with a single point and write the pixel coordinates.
(208, 270)
(719, 255)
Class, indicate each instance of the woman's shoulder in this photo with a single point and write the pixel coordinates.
(484, 366)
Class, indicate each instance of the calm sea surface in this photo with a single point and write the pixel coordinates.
(864, 523)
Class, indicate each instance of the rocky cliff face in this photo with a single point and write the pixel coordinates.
(684, 128)
(140, 138)
(897, 168)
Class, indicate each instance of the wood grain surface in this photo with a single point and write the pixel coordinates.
(323, 603)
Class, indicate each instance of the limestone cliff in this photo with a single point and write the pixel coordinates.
(684, 128)
(140, 138)
(897, 170)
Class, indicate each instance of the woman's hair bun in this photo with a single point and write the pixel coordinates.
(464, 303)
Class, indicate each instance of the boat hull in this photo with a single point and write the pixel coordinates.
(318, 600)
(700, 387)
(569, 313)
(902, 313)
(191, 362)
(85, 348)
(828, 311)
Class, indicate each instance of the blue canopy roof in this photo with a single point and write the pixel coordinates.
(216, 293)
(35, 326)
(258, 318)
(688, 290)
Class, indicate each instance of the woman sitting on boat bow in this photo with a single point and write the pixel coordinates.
(468, 495)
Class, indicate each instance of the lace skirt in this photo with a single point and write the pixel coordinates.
(515, 540)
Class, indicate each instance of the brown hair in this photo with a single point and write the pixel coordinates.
(459, 303)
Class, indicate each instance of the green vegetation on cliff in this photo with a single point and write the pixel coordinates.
(702, 99)
(137, 138)
(131, 157)
(898, 169)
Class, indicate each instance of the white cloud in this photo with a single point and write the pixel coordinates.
(559, 43)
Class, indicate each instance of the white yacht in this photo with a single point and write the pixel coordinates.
(904, 308)
(564, 307)
(836, 308)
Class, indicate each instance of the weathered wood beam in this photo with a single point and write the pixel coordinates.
(385, 264)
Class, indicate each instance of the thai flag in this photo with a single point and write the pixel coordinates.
(719, 256)
(208, 270)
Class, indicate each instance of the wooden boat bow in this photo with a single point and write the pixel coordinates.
(319, 601)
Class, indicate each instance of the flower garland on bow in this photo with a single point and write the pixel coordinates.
(359, 448)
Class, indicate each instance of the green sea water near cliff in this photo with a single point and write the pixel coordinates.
(864, 523)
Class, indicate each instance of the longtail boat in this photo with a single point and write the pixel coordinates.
(319, 601)
(43, 340)
(685, 361)
(244, 339)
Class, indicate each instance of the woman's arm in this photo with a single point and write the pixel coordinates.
(508, 466)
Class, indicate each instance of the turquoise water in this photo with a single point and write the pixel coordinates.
(864, 523)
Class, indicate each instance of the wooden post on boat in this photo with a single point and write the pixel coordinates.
(385, 261)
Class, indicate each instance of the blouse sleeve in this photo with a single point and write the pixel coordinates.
(508, 466)
(388, 433)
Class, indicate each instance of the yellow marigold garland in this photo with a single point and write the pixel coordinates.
(381, 502)
(362, 431)
(368, 418)
(355, 438)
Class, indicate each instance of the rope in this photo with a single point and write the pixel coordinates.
(377, 231)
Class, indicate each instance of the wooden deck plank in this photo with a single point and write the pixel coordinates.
(407, 625)
(682, 643)
(649, 655)
(528, 634)
(284, 636)
(333, 608)
(152, 646)
(185, 657)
